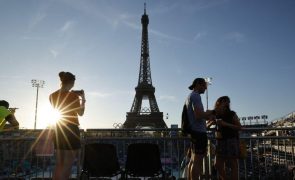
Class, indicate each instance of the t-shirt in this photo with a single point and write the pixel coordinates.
(68, 104)
(194, 99)
(4, 112)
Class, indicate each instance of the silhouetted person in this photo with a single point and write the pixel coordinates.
(7, 115)
(185, 163)
(227, 146)
(67, 143)
(197, 120)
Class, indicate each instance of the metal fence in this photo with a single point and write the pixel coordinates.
(29, 154)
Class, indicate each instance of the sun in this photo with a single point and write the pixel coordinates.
(48, 116)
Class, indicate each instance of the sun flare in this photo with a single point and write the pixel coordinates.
(48, 116)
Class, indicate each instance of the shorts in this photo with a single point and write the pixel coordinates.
(228, 148)
(199, 142)
(67, 137)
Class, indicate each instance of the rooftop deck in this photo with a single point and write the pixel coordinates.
(24, 154)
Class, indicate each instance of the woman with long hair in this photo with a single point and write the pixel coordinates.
(70, 105)
(227, 136)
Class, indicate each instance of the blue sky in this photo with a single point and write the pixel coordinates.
(247, 47)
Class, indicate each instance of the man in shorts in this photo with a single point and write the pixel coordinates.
(197, 120)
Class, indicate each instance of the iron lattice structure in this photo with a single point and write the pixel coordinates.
(144, 116)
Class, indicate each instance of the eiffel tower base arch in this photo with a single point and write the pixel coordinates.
(135, 120)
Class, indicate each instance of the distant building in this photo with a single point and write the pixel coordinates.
(174, 133)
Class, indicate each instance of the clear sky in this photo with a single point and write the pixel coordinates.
(247, 47)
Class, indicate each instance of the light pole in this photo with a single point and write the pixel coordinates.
(250, 118)
(264, 117)
(257, 118)
(209, 82)
(244, 119)
(38, 84)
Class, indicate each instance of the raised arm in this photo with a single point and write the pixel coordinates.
(12, 120)
(236, 123)
(82, 105)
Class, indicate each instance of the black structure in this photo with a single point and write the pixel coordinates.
(100, 160)
(143, 160)
(144, 116)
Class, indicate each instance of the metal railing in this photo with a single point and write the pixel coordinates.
(29, 154)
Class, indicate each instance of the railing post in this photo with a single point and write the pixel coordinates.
(292, 151)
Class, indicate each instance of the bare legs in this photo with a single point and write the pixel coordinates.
(64, 162)
(195, 166)
(234, 165)
(220, 166)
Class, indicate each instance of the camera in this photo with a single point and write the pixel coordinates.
(78, 92)
(12, 109)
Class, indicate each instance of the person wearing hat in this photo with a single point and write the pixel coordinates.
(197, 119)
(7, 115)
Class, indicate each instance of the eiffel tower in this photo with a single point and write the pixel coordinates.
(140, 116)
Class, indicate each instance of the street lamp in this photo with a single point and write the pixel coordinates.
(38, 84)
(209, 82)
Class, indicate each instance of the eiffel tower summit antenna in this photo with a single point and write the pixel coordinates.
(139, 115)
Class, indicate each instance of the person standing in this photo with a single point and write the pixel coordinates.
(67, 143)
(185, 163)
(197, 120)
(7, 115)
(227, 146)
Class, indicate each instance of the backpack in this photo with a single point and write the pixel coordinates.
(185, 126)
